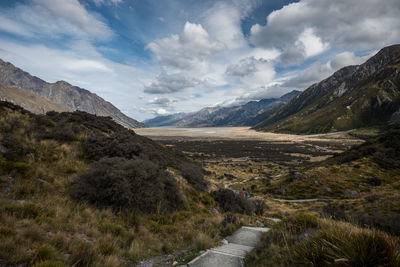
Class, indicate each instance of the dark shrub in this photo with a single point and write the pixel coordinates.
(13, 148)
(193, 173)
(389, 224)
(129, 185)
(337, 212)
(374, 181)
(230, 219)
(259, 207)
(232, 202)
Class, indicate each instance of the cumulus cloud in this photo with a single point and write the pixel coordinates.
(193, 46)
(170, 83)
(252, 72)
(308, 27)
(162, 101)
(52, 18)
(223, 23)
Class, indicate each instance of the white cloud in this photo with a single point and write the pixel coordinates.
(252, 72)
(54, 18)
(308, 27)
(312, 44)
(223, 23)
(192, 47)
(162, 101)
(170, 83)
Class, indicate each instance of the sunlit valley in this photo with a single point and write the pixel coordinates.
(199, 133)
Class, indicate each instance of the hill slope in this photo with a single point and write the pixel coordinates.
(61, 92)
(29, 101)
(353, 97)
(245, 115)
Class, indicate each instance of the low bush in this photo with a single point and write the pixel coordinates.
(128, 185)
(232, 202)
(193, 173)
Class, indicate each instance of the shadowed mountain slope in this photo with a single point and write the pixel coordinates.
(353, 97)
(61, 92)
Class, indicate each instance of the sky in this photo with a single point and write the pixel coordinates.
(158, 57)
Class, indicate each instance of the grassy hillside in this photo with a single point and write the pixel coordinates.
(81, 190)
(353, 97)
(29, 100)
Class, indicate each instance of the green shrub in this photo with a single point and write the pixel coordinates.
(128, 185)
(22, 211)
(43, 252)
(115, 229)
(6, 231)
(82, 254)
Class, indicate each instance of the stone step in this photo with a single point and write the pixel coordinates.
(233, 250)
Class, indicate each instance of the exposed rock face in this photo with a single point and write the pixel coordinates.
(248, 114)
(29, 101)
(63, 93)
(354, 96)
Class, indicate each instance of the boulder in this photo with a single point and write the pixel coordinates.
(351, 193)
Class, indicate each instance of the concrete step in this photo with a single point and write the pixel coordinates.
(233, 250)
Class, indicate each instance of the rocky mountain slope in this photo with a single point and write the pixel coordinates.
(245, 115)
(353, 97)
(61, 92)
(29, 101)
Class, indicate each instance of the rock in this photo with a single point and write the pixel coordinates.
(214, 211)
(174, 263)
(305, 235)
(3, 149)
(351, 193)
(282, 191)
(316, 182)
(259, 224)
(328, 189)
(224, 242)
(42, 181)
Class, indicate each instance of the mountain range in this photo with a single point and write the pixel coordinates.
(248, 114)
(353, 97)
(60, 94)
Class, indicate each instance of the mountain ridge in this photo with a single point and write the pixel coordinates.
(347, 99)
(243, 115)
(61, 92)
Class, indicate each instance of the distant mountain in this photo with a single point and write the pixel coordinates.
(29, 101)
(63, 93)
(353, 97)
(245, 115)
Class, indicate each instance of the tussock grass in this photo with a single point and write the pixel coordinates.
(307, 240)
